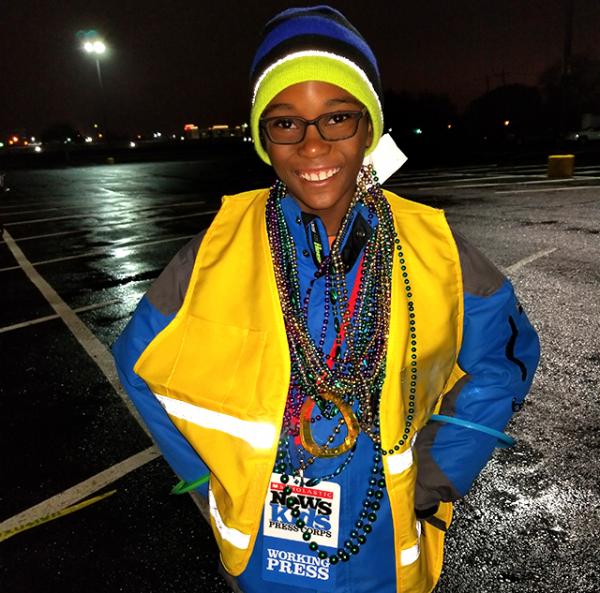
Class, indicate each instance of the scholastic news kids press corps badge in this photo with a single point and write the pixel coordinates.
(286, 558)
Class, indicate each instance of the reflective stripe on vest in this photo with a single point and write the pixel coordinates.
(260, 435)
(400, 462)
(410, 555)
(229, 534)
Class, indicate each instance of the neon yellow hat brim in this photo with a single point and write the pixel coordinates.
(320, 68)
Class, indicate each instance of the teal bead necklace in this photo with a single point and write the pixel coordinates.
(355, 376)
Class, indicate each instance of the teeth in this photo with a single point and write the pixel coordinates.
(320, 176)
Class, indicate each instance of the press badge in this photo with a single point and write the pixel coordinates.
(286, 556)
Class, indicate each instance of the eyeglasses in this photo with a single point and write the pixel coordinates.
(338, 125)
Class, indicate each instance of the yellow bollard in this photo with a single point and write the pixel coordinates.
(561, 165)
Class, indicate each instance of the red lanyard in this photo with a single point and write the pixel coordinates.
(340, 339)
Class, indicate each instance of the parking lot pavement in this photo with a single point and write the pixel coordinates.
(85, 496)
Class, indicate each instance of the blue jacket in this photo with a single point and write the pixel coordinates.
(499, 353)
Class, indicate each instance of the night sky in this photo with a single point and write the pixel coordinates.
(176, 62)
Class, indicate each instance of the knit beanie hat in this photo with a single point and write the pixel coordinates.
(315, 43)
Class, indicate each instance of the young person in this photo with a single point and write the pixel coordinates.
(329, 364)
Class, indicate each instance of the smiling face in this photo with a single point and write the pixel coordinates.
(320, 174)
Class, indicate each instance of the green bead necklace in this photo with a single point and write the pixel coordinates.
(359, 375)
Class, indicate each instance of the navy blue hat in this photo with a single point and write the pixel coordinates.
(314, 43)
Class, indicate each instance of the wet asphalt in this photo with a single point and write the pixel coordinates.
(99, 235)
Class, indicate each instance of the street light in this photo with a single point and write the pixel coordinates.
(97, 48)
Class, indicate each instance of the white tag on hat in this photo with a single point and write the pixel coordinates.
(386, 159)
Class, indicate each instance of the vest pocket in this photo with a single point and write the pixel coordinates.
(217, 365)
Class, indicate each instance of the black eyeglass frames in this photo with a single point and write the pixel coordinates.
(334, 126)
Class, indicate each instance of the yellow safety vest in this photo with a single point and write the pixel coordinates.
(221, 369)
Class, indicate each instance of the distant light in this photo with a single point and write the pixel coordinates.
(95, 125)
(99, 47)
(174, 136)
(156, 134)
(182, 137)
(38, 149)
(506, 123)
(89, 139)
(33, 138)
(15, 138)
(68, 139)
(25, 143)
(449, 126)
(418, 131)
(88, 46)
(190, 127)
(389, 130)
(139, 136)
(1, 144)
(132, 144)
(100, 135)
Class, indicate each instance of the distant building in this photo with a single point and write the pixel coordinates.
(192, 132)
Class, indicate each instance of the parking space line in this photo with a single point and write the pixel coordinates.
(516, 182)
(59, 234)
(76, 493)
(99, 251)
(52, 516)
(20, 205)
(34, 210)
(427, 175)
(2, 211)
(116, 225)
(108, 212)
(8, 328)
(529, 259)
(549, 189)
(448, 183)
(82, 333)
(51, 219)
